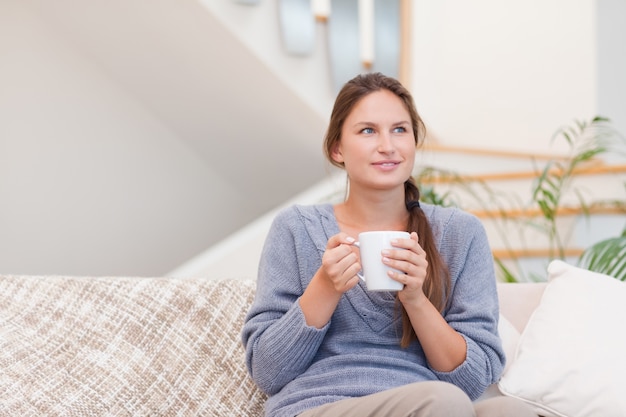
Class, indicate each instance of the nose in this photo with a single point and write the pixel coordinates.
(385, 145)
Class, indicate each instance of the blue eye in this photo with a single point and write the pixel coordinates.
(399, 129)
(367, 130)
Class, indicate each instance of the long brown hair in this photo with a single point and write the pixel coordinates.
(437, 283)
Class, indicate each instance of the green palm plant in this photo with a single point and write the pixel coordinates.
(555, 182)
(587, 141)
(607, 257)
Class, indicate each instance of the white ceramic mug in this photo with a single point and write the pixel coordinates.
(374, 273)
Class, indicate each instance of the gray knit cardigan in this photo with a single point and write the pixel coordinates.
(358, 353)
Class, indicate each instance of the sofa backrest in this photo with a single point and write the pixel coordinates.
(140, 346)
(519, 300)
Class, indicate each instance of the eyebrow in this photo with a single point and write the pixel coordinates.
(368, 123)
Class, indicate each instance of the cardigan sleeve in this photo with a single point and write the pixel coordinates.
(473, 309)
(279, 344)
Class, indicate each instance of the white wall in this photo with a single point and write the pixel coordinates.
(90, 181)
(503, 74)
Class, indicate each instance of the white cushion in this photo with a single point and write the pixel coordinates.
(571, 357)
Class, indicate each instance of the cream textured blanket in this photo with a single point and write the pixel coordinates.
(112, 346)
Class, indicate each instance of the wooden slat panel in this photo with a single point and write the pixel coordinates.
(434, 146)
(404, 70)
(563, 211)
(503, 254)
(598, 169)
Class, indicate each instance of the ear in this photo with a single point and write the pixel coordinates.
(337, 155)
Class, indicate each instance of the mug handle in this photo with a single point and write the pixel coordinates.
(360, 273)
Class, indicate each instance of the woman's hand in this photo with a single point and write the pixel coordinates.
(340, 264)
(445, 349)
(412, 262)
(336, 275)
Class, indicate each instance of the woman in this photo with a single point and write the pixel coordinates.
(318, 343)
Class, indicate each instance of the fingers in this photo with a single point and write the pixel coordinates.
(412, 269)
(339, 239)
(402, 259)
(410, 259)
(411, 244)
(340, 263)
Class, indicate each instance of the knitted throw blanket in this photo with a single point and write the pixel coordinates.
(107, 346)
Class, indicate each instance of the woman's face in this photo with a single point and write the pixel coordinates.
(377, 146)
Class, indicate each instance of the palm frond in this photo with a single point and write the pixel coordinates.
(607, 257)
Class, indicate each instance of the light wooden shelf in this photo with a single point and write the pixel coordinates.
(433, 145)
(595, 169)
(563, 211)
(504, 254)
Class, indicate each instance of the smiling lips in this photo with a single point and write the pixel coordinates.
(386, 165)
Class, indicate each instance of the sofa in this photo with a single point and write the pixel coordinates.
(137, 346)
